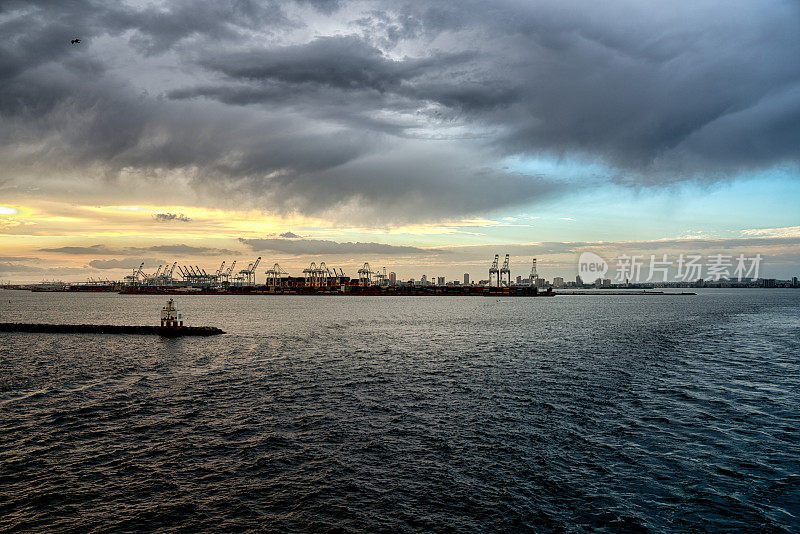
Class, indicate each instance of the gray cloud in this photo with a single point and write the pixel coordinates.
(103, 250)
(17, 258)
(125, 263)
(323, 246)
(289, 235)
(406, 111)
(561, 82)
(186, 250)
(167, 217)
(22, 268)
(92, 249)
(14, 267)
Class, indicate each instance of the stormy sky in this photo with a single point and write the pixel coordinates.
(389, 128)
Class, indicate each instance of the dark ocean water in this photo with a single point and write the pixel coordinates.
(365, 414)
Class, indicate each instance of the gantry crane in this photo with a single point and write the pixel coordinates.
(229, 272)
(534, 276)
(275, 276)
(248, 275)
(171, 280)
(365, 275)
(218, 275)
(504, 277)
(494, 272)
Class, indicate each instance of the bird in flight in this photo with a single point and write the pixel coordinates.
(75, 41)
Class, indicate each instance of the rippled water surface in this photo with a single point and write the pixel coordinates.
(572, 413)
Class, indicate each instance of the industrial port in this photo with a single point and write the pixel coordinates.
(315, 279)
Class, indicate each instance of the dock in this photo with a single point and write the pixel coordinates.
(110, 329)
(171, 326)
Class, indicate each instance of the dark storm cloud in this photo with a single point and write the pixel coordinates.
(343, 62)
(323, 246)
(694, 90)
(167, 217)
(103, 250)
(289, 235)
(404, 110)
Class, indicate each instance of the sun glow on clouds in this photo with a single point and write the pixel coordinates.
(206, 222)
(7, 210)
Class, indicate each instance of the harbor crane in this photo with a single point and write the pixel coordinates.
(229, 272)
(218, 275)
(504, 277)
(534, 276)
(494, 272)
(365, 275)
(323, 273)
(171, 271)
(138, 272)
(133, 278)
(275, 276)
(338, 277)
(248, 275)
(381, 278)
(163, 276)
(310, 274)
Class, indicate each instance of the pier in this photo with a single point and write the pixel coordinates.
(171, 326)
(110, 329)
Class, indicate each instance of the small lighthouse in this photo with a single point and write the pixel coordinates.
(171, 317)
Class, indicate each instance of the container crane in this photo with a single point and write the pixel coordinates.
(249, 274)
(322, 274)
(310, 274)
(494, 272)
(365, 275)
(381, 278)
(172, 270)
(534, 275)
(275, 276)
(505, 274)
(253, 270)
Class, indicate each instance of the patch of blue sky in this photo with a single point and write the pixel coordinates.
(600, 210)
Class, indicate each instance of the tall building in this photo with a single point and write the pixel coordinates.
(392, 279)
(519, 279)
(466, 279)
(440, 281)
(558, 281)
